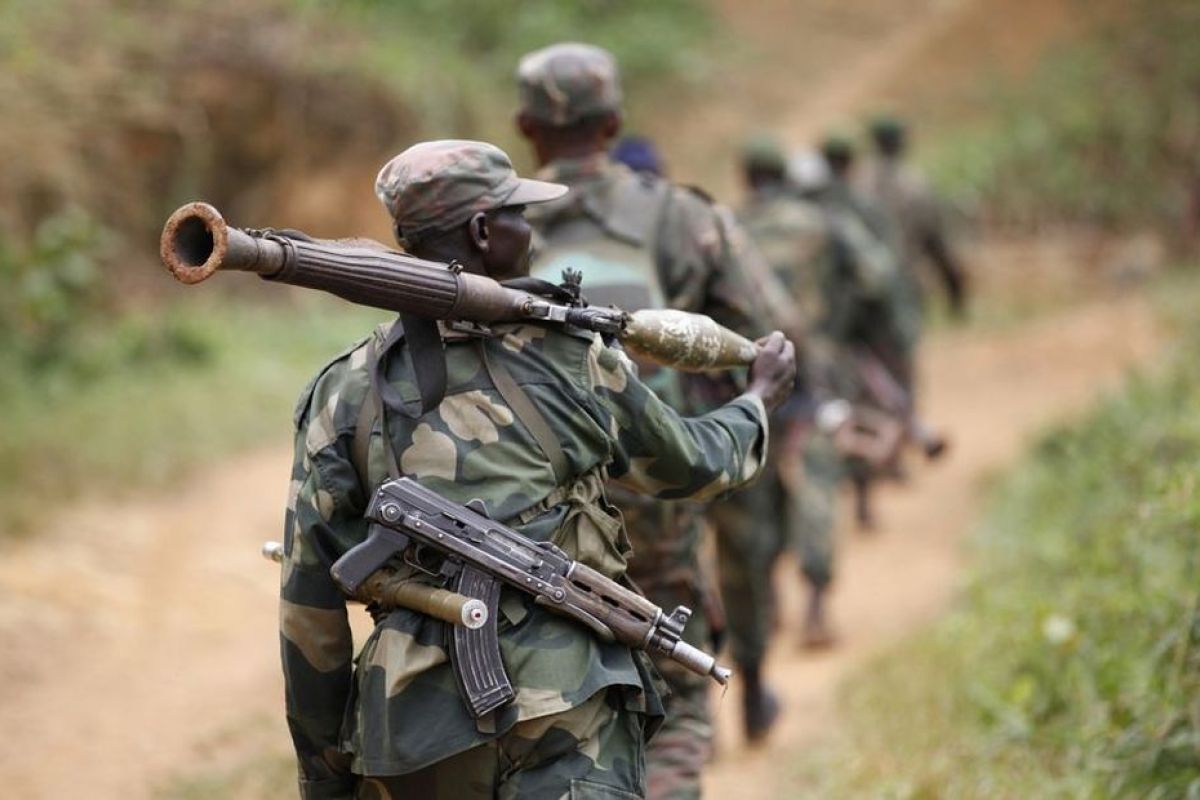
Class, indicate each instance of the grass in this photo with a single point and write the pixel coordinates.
(1071, 665)
(142, 401)
(1104, 132)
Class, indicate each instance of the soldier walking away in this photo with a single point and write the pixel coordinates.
(906, 196)
(531, 419)
(880, 329)
(640, 242)
(794, 237)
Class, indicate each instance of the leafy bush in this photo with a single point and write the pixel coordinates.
(1106, 131)
(143, 399)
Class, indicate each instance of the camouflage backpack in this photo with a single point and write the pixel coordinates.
(615, 250)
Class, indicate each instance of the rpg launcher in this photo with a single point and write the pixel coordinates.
(197, 242)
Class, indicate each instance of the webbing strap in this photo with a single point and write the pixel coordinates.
(530, 417)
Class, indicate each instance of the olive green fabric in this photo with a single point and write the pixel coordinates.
(395, 708)
(582, 753)
(699, 268)
(659, 245)
(921, 234)
(566, 82)
(763, 151)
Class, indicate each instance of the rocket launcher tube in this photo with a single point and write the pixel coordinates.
(197, 242)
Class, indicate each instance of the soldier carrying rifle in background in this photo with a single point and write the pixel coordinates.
(643, 242)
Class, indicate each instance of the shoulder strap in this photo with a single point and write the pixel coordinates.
(373, 409)
(527, 412)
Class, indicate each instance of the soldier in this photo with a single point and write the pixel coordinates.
(640, 242)
(391, 723)
(795, 238)
(907, 198)
(858, 314)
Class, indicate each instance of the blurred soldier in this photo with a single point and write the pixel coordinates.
(895, 323)
(907, 198)
(859, 314)
(640, 242)
(794, 236)
(531, 419)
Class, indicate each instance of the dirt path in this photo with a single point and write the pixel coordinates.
(991, 392)
(139, 642)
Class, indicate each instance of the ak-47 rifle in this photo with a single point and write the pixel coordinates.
(478, 556)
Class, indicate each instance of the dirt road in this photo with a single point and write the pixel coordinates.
(138, 642)
(991, 392)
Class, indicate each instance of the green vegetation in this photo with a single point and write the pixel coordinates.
(455, 60)
(1071, 667)
(134, 403)
(1105, 132)
(278, 112)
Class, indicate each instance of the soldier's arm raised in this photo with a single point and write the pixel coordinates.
(658, 452)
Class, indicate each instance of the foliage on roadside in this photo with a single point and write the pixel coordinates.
(139, 402)
(1071, 667)
(1106, 132)
(278, 112)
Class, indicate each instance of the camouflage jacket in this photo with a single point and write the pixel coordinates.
(697, 259)
(395, 708)
(699, 264)
(906, 198)
(921, 230)
(794, 238)
(864, 287)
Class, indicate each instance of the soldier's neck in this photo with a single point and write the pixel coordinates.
(549, 152)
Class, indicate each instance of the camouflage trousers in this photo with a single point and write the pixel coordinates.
(591, 752)
(748, 542)
(666, 567)
(755, 527)
(811, 511)
(676, 756)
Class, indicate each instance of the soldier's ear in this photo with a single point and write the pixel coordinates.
(525, 125)
(612, 125)
(478, 229)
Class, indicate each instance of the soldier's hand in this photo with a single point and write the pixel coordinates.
(773, 373)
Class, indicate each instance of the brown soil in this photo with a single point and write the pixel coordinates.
(803, 68)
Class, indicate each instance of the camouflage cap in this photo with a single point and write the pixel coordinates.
(763, 151)
(435, 186)
(885, 125)
(837, 145)
(564, 83)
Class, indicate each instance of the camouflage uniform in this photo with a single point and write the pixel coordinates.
(640, 242)
(864, 308)
(795, 238)
(390, 722)
(919, 226)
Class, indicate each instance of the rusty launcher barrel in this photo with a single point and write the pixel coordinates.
(197, 241)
